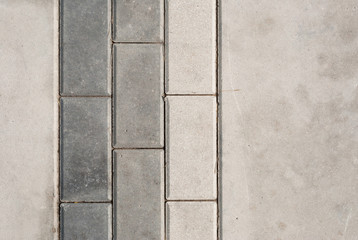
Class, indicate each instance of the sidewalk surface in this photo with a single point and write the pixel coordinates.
(28, 120)
(169, 119)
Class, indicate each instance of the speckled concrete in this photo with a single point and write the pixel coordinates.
(28, 119)
(289, 119)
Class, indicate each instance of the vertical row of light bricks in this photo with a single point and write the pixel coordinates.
(139, 100)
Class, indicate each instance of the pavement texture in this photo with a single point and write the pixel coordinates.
(171, 120)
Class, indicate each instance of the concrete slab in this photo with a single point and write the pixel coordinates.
(190, 47)
(90, 221)
(28, 119)
(85, 47)
(191, 220)
(138, 96)
(86, 164)
(191, 148)
(289, 119)
(139, 194)
(138, 21)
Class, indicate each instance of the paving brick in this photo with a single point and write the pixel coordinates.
(90, 221)
(138, 102)
(85, 149)
(139, 194)
(191, 220)
(191, 147)
(85, 47)
(138, 21)
(191, 47)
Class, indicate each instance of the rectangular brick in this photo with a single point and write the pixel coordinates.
(139, 194)
(191, 147)
(138, 102)
(138, 21)
(85, 47)
(191, 47)
(191, 220)
(85, 149)
(91, 221)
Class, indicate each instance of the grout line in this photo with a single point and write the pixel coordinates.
(84, 96)
(74, 202)
(111, 120)
(192, 200)
(59, 120)
(137, 42)
(160, 148)
(217, 123)
(164, 120)
(190, 95)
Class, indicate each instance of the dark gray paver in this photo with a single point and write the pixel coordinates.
(85, 44)
(86, 221)
(139, 194)
(85, 149)
(138, 102)
(138, 21)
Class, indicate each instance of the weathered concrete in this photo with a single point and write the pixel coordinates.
(289, 118)
(28, 119)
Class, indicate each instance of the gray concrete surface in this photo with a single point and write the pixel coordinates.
(28, 119)
(138, 96)
(289, 120)
(85, 149)
(85, 47)
(139, 194)
(86, 221)
(138, 21)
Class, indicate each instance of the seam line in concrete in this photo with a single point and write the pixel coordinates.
(84, 96)
(137, 42)
(191, 200)
(165, 118)
(190, 95)
(217, 119)
(59, 120)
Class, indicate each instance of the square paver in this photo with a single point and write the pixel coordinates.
(191, 220)
(139, 194)
(191, 47)
(138, 21)
(138, 96)
(191, 147)
(85, 149)
(85, 47)
(86, 221)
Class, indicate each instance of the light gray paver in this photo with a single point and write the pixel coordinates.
(138, 103)
(86, 221)
(139, 194)
(191, 47)
(85, 149)
(289, 120)
(85, 47)
(191, 147)
(138, 21)
(191, 220)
